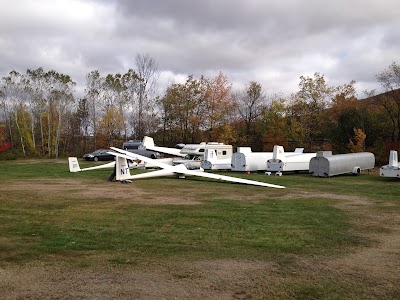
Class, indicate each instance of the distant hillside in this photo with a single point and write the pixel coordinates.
(395, 94)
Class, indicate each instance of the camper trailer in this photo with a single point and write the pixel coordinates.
(221, 150)
(325, 164)
(195, 153)
(212, 162)
(393, 168)
(191, 151)
(244, 160)
(281, 162)
(191, 155)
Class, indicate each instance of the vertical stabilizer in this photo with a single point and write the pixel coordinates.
(122, 168)
(73, 164)
(279, 152)
(393, 159)
(148, 142)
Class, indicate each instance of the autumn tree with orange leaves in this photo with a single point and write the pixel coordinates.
(219, 107)
(356, 143)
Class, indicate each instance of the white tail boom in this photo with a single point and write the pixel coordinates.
(74, 165)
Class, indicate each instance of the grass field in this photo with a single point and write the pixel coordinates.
(74, 235)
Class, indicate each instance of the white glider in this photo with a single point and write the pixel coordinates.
(123, 172)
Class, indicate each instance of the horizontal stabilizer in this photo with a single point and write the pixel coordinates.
(299, 150)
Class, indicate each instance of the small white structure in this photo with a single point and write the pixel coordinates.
(393, 168)
(326, 165)
(212, 162)
(281, 162)
(244, 160)
(191, 151)
(195, 154)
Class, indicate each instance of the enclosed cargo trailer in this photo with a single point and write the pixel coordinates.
(244, 160)
(326, 165)
(282, 162)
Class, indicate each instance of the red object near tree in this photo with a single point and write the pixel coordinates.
(4, 146)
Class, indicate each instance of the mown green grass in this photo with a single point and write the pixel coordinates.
(229, 221)
(218, 228)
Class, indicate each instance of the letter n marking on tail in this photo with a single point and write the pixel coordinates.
(124, 171)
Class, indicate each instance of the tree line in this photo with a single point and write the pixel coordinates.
(42, 117)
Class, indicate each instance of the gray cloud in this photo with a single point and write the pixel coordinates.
(273, 43)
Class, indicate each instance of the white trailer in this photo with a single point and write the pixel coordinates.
(247, 161)
(212, 162)
(221, 150)
(282, 162)
(326, 165)
(192, 155)
(393, 168)
(191, 150)
(244, 160)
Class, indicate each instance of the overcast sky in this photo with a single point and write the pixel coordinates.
(271, 42)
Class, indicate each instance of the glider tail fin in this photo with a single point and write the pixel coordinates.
(148, 142)
(122, 168)
(73, 164)
(279, 152)
(393, 159)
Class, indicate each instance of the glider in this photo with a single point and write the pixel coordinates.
(180, 170)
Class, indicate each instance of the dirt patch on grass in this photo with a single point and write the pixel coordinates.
(317, 278)
(132, 193)
(366, 272)
(198, 280)
(348, 199)
(85, 189)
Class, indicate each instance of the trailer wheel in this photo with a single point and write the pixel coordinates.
(356, 171)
